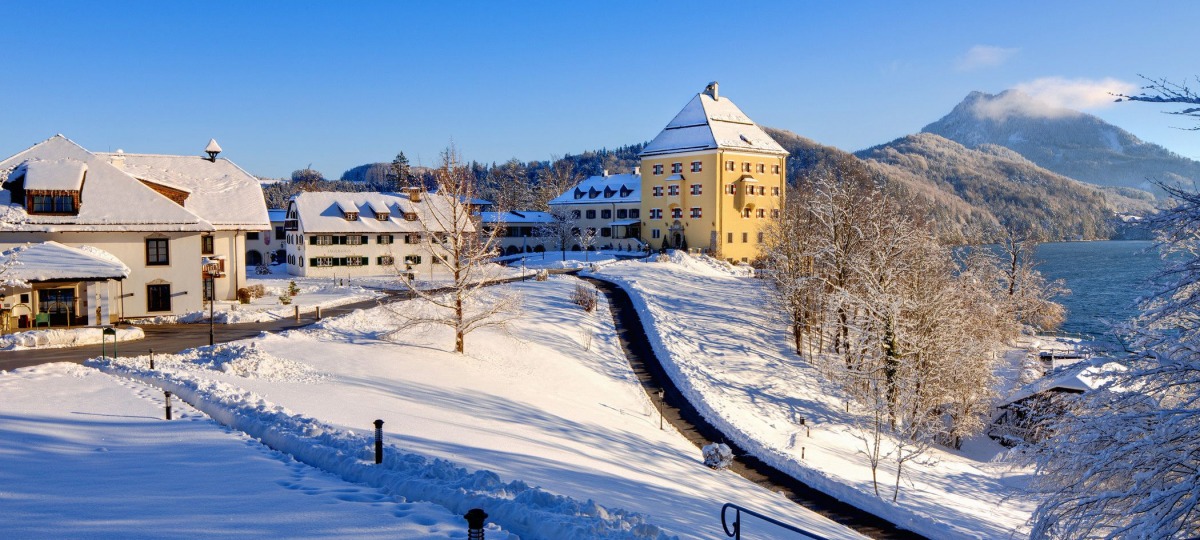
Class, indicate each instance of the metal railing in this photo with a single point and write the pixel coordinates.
(736, 533)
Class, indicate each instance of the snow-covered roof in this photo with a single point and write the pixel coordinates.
(53, 175)
(219, 191)
(50, 261)
(111, 200)
(322, 212)
(1079, 377)
(516, 218)
(614, 188)
(709, 122)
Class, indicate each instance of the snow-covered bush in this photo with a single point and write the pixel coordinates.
(718, 455)
(542, 275)
(662, 258)
(584, 296)
(257, 290)
(285, 299)
(243, 295)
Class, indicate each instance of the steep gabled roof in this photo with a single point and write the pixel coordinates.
(110, 199)
(219, 191)
(710, 122)
(322, 212)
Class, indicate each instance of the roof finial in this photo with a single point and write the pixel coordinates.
(212, 150)
(711, 90)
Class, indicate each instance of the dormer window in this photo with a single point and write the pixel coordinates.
(410, 216)
(351, 216)
(382, 216)
(52, 204)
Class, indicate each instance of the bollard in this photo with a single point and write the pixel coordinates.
(318, 313)
(152, 359)
(661, 395)
(801, 452)
(168, 393)
(808, 432)
(297, 313)
(378, 442)
(475, 520)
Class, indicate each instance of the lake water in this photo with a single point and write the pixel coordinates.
(1105, 278)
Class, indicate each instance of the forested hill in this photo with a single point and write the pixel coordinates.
(1011, 188)
(1066, 141)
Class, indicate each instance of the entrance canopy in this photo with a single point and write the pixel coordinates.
(52, 261)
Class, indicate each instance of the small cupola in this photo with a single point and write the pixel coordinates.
(711, 90)
(212, 150)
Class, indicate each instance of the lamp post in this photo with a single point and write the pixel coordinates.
(523, 240)
(212, 300)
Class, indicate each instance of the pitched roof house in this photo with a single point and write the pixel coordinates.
(158, 215)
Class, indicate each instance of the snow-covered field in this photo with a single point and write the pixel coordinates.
(64, 337)
(715, 332)
(543, 425)
(314, 292)
(88, 455)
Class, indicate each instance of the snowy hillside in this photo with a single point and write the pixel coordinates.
(722, 347)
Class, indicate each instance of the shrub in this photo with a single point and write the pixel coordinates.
(663, 257)
(285, 299)
(243, 295)
(293, 290)
(257, 290)
(585, 297)
(262, 270)
(542, 275)
(717, 455)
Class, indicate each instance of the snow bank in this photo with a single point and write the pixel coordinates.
(64, 337)
(516, 506)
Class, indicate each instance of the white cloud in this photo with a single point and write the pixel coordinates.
(1053, 97)
(984, 56)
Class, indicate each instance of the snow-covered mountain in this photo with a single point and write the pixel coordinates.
(1066, 141)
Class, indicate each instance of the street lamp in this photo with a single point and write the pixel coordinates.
(212, 267)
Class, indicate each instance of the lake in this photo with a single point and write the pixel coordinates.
(1105, 278)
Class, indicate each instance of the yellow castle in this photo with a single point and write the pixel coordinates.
(710, 180)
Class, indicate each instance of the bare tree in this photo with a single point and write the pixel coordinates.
(1030, 296)
(453, 242)
(561, 229)
(555, 180)
(586, 237)
(1165, 91)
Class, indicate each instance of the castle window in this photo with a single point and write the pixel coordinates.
(746, 166)
(206, 244)
(654, 233)
(634, 213)
(606, 214)
(677, 167)
(775, 213)
(760, 237)
(673, 190)
(730, 189)
(696, 189)
(385, 260)
(591, 214)
(774, 169)
(746, 212)
(658, 191)
(729, 166)
(696, 166)
(762, 213)
(575, 214)
(655, 213)
(383, 239)
(158, 297)
(695, 213)
(729, 238)
(676, 213)
(745, 237)
(775, 191)
(658, 169)
(761, 168)
(622, 213)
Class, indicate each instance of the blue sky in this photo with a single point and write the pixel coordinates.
(284, 84)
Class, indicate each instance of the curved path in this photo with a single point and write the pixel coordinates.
(680, 413)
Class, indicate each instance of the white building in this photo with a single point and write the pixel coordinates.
(267, 247)
(157, 215)
(522, 231)
(609, 204)
(333, 234)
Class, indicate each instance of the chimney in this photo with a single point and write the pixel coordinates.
(605, 173)
(637, 171)
(118, 159)
(711, 90)
(414, 194)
